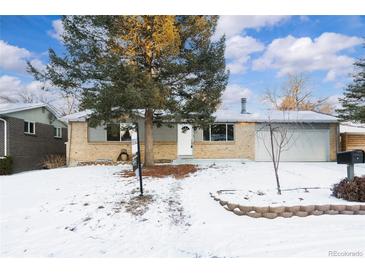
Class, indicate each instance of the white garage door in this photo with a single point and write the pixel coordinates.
(305, 145)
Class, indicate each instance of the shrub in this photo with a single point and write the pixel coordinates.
(351, 191)
(54, 161)
(6, 165)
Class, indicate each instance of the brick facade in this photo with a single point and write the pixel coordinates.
(79, 149)
(28, 151)
(243, 146)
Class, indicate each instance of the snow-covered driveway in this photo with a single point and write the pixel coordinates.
(86, 211)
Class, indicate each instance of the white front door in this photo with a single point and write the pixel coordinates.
(184, 137)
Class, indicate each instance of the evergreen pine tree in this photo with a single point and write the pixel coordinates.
(121, 64)
(353, 102)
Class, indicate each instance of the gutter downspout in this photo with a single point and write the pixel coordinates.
(5, 136)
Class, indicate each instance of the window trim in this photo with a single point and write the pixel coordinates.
(120, 135)
(60, 131)
(28, 132)
(210, 133)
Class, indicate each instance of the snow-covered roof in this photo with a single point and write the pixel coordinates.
(352, 128)
(81, 116)
(231, 116)
(6, 108)
(275, 116)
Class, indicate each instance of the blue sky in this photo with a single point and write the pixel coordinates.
(261, 51)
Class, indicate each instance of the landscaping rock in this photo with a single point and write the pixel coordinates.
(238, 212)
(292, 208)
(269, 215)
(362, 207)
(278, 209)
(261, 209)
(331, 212)
(323, 207)
(360, 212)
(338, 207)
(232, 206)
(353, 207)
(254, 214)
(347, 212)
(317, 212)
(286, 214)
(227, 208)
(245, 208)
(307, 208)
(222, 203)
(301, 213)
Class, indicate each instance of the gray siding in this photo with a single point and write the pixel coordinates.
(28, 151)
(39, 115)
(163, 133)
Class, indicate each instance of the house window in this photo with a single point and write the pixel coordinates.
(116, 132)
(219, 132)
(29, 127)
(57, 132)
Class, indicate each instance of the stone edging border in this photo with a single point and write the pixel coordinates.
(269, 212)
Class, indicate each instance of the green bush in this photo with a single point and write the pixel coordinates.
(350, 190)
(6, 165)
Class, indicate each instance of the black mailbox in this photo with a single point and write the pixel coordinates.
(351, 157)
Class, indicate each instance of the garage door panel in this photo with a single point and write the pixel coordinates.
(304, 145)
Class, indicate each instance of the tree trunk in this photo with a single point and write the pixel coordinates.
(274, 160)
(148, 138)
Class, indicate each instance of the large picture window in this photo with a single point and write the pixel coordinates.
(219, 132)
(116, 132)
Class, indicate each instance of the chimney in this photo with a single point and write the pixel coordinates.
(243, 105)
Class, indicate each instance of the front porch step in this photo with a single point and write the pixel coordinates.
(183, 157)
(180, 161)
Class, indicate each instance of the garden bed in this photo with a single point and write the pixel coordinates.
(160, 171)
(299, 202)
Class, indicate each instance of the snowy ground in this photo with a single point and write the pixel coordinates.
(89, 211)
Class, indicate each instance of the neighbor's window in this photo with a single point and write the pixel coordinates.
(219, 132)
(116, 132)
(29, 127)
(57, 132)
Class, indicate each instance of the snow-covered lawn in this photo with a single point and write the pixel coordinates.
(92, 211)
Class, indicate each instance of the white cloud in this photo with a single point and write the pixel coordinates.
(293, 55)
(231, 25)
(13, 58)
(238, 50)
(57, 30)
(232, 95)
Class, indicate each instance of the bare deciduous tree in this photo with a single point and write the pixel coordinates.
(281, 138)
(296, 94)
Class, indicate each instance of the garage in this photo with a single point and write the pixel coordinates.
(309, 143)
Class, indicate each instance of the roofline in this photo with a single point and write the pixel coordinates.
(38, 105)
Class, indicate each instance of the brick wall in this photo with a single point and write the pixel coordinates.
(79, 149)
(242, 147)
(28, 151)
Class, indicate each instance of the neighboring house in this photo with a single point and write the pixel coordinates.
(352, 136)
(232, 136)
(30, 132)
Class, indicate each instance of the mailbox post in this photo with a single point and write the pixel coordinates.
(350, 158)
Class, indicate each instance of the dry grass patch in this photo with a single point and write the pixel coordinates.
(138, 205)
(160, 171)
